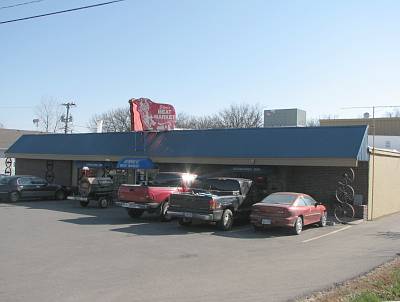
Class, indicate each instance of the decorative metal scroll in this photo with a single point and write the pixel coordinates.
(343, 209)
(8, 169)
(50, 171)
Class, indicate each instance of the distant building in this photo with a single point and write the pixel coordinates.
(383, 125)
(284, 118)
(7, 138)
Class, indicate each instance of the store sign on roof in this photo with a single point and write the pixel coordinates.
(149, 116)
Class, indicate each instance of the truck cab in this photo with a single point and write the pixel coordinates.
(154, 197)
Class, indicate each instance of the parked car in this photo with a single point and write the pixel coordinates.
(14, 188)
(217, 200)
(98, 189)
(153, 198)
(287, 209)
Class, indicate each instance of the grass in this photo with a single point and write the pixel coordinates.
(381, 284)
(386, 288)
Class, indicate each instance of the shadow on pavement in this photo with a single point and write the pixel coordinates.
(148, 224)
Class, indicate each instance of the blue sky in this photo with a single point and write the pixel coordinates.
(201, 56)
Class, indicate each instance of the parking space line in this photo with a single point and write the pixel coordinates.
(330, 233)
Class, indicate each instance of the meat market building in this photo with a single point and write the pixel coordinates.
(299, 159)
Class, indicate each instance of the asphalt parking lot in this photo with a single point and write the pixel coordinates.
(58, 251)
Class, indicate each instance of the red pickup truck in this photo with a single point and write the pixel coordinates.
(153, 198)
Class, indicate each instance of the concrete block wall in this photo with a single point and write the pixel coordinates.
(38, 167)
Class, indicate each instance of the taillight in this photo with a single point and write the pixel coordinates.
(214, 204)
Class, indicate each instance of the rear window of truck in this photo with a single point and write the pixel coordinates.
(223, 185)
(167, 180)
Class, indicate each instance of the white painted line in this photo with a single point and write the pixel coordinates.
(331, 233)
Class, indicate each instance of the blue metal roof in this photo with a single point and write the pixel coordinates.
(291, 142)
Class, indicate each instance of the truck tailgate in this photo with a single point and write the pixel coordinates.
(133, 193)
(187, 201)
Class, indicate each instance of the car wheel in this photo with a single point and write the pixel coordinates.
(226, 221)
(84, 204)
(323, 219)
(184, 221)
(60, 195)
(103, 202)
(14, 196)
(163, 212)
(135, 213)
(298, 226)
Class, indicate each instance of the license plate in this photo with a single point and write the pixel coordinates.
(188, 215)
(266, 221)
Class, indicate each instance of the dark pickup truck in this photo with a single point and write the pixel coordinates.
(213, 199)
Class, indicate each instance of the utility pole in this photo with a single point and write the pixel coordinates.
(67, 118)
(373, 149)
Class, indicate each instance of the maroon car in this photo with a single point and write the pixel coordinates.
(287, 209)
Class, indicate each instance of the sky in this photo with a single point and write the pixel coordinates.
(200, 56)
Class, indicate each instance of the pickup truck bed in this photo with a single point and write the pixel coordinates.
(224, 199)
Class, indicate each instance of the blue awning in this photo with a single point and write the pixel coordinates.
(135, 163)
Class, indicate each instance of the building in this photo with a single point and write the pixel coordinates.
(389, 126)
(300, 159)
(7, 138)
(285, 118)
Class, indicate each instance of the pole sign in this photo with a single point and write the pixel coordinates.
(149, 116)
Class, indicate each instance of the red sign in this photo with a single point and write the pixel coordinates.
(149, 116)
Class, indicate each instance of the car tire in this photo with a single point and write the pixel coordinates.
(102, 202)
(84, 204)
(226, 222)
(322, 221)
(298, 226)
(59, 195)
(164, 216)
(135, 213)
(184, 221)
(14, 196)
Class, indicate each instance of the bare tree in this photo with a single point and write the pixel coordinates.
(49, 113)
(312, 122)
(241, 116)
(116, 120)
(235, 116)
(394, 113)
(1, 125)
(185, 121)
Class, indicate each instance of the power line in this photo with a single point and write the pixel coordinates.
(20, 4)
(62, 11)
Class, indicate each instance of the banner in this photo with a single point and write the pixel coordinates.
(149, 116)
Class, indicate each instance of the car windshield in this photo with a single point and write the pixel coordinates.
(280, 199)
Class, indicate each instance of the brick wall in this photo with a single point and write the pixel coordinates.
(320, 182)
(38, 167)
